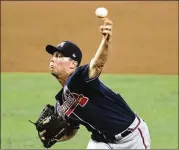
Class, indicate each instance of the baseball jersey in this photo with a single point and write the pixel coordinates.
(90, 103)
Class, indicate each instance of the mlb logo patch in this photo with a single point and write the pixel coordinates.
(74, 55)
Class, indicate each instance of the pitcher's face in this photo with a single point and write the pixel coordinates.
(59, 64)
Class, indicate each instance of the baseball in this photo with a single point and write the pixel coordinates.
(101, 12)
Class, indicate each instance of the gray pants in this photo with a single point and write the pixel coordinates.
(138, 139)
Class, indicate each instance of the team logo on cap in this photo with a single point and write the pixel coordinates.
(62, 44)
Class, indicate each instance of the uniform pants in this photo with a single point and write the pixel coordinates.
(138, 139)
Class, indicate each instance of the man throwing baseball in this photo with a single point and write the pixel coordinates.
(85, 100)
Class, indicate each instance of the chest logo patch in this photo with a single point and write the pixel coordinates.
(72, 100)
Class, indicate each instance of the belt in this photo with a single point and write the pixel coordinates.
(127, 131)
(119, 136)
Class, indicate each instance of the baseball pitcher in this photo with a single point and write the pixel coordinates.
(85, 100)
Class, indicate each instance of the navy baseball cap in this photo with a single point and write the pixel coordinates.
(68, 49)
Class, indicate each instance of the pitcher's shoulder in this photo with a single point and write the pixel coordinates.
(81, 69)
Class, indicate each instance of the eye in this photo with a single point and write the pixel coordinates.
(55, 55)
(59, 55)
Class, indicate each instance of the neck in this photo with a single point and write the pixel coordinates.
(61, 79)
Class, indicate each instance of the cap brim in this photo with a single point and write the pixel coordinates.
(51, 49)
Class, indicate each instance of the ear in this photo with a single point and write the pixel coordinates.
(73, 64)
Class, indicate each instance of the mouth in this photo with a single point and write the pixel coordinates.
(51, 67)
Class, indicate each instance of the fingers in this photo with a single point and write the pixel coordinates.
(107, 21)
(106, 29)
(106, 32)
(42, 134)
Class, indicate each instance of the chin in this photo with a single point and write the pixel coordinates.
(52, 72)
(55, 74)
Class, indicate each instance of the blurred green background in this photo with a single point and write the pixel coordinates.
(23, 95)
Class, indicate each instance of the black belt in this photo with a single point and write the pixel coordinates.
(113, 139)
(123, 134)
(130, 130)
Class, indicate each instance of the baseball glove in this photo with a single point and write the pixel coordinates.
(51, 127)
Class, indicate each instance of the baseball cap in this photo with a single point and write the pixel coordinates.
(68, 49)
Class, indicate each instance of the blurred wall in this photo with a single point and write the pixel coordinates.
(145, 34)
